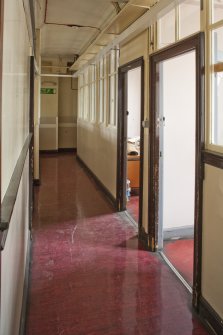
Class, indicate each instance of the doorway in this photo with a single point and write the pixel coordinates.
(130, 139)
(176, 170)
(177, 161)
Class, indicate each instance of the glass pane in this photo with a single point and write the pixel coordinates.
(86, 102)
(166, 29)
(105, 97)
(81, 80)
(93, 101)
(112, 62)
(217, 10)
(101, 100)
(217, 108)
(86, 79)
(217, 87)
(81, 102)
(101, 68)
(189, 12)
(93, 73)
(217, 45)
(112, 87)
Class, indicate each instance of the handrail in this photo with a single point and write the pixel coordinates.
(10, 197)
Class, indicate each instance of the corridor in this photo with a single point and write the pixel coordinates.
(89, 275)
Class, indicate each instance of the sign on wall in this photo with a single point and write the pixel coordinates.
(46, 90)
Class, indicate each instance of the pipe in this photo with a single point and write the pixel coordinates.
(56, 75)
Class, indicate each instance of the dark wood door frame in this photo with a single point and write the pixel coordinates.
(195, 43)
(31, 131)
(122, 135)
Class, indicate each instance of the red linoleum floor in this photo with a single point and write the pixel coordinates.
(133, 207)
(180, 253)
(89, 275)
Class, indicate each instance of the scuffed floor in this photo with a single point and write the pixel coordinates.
(89, 274)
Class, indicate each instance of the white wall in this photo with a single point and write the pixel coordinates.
(134, 102)
(48, 133)
(58, 122)
(15, 91)
(14, 260)
(49, 102)
(15, 129)
(179, 109)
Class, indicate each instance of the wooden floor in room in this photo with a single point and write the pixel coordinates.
(89, 273)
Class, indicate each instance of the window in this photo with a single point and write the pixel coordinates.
(80, 96)
(102, 89)
(178, 23)
(113, 77)
(217, 87)
(166, 29)
(217, 11)
(86, 94)
(92, 88)
(189, 17)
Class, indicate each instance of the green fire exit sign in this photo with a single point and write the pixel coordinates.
(48, 90)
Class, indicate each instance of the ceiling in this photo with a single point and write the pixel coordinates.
(79, 29)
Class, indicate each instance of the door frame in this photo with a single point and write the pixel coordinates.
(194, 43)
(122, 135)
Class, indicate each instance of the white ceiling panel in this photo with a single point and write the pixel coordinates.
(62, 40)
(80, 12)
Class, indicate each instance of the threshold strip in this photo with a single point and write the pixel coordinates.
(131, 218)
(188, 287)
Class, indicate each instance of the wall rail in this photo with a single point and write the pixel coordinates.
(9, 199)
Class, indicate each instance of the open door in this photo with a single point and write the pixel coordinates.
(176, 143)
(130, 145)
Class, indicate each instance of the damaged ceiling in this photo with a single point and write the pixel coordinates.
(76, 30)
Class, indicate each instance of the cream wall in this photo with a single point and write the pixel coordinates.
(212, 246)
(15, 129)
(97, 147)
(138, 47)
(67, 113)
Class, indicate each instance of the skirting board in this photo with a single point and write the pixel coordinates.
(74, 150)
(110, 197)
(54, 151)
(22, 327)
(211, 319)
(181, 232)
